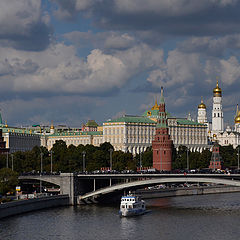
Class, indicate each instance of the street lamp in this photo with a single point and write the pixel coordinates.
(84, 154)
(12, 161)
(7, 161)
(140, 161)
(238, 156)
(41, 154)
(111, 151)
(187, 161)
(51, 154)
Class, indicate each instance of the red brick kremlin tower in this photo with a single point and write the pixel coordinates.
(215, 162)
(162, 145)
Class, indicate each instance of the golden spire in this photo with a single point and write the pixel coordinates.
(6, 124)
(155, 107)
(217, 91)
(52, 127)
(237, 118)
(202, 105)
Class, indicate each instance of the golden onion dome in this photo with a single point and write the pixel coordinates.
(217, 91)
(202, 105)
(155, 107)
(237, 118)
(52, 127)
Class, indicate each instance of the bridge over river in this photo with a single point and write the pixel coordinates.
(83, 187)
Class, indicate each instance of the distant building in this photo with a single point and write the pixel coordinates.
(216, 131)
(3, 148)
(90, 126)
(19, 139)
(74, 138)
(129, 133)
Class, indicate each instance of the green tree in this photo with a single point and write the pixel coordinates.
(147, 158)
(180, 162)
(228, 156)
(60, 156)
(8, 180)
(204, 159)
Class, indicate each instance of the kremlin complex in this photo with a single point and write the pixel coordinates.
(134, 134)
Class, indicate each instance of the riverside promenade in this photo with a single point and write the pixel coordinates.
(23, 206)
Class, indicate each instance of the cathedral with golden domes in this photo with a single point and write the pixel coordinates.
(216, 131)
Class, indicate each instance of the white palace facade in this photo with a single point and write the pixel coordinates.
(134, 134)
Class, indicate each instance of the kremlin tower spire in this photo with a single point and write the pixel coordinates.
(162, 144)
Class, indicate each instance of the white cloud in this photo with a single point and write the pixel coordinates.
(211, 46)
(59, 69)
(24, 25)
(180, 68)
(107, 40)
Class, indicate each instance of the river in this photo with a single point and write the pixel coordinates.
(208, 217)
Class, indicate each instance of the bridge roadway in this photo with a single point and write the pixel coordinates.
(83, 186)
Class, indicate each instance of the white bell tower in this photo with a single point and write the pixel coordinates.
(217, 112)
(202, 113)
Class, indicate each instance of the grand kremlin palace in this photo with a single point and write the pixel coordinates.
(135, 133)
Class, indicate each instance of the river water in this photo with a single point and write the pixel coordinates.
(207, 217)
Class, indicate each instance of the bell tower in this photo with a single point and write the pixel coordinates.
(202, 113)
(217, 112)
(162, 145)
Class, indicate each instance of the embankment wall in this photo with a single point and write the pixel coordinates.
(23, 206)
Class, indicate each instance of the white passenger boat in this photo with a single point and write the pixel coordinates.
(131, 206)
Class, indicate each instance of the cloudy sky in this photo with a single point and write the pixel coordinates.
(68, 61)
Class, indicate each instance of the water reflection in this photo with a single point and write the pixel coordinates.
(198, 217)
(128, 226)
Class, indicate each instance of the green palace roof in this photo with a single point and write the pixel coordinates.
(91, 123)
(154, 114)
(133, 119)
(76, 133)
(15, 130)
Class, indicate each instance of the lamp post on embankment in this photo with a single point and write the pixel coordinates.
(84, 163)
(111, 151)
(41, 169)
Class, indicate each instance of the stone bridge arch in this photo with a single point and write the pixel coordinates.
(66, 182)
(151, 182)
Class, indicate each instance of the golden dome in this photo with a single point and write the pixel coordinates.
(217, 91)
(149, 113)
(237, 118)
(155, 107)
(202, 105)
(52, 127)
